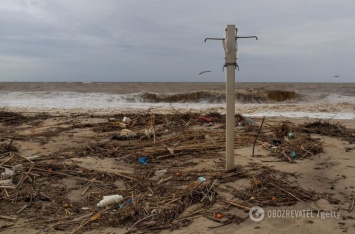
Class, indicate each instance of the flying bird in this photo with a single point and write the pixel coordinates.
(203, 72)
(337, 76)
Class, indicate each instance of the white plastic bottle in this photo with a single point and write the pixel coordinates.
(109, 200)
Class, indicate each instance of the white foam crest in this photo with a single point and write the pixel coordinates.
(331, 106)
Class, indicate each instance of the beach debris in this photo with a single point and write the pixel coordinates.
(250, 121)
(161, 172)
(328, 128)
(204, 119)
(294, 155)
(219, 216)
(149, 203)
(201, 179)
(125, 134)
(33, 157)
(290, 135)
(143, 160)
(149, 132)
(109, 200)
(126, 120)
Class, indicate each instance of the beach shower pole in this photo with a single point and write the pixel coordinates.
(231, 63)
(230, 49)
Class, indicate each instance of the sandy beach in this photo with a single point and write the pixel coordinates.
(70, 161)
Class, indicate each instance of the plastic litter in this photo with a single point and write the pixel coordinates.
(109, 200)
(290, 135)
(143, 160)
(112, 119)
(294, 154)
(127, 120)
(250, 121)
(149, 132)
(161, 172)
(205, 119)
(201, 179)
(125, 134)
(34, 157)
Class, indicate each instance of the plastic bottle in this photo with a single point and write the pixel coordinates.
(126, 120)
(109, 200)
(161, 172)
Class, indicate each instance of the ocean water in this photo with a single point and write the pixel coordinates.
(313, 100)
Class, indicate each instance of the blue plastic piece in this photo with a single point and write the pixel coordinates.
(143, 160)
(294, 154)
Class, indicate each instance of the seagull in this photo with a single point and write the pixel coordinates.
(337, 76)
(203, 72)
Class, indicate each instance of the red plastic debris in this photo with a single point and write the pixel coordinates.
(202, 118)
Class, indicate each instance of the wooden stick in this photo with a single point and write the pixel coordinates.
(352, 206)
(163, 180)
(237, 205)
(20, 210)
(24, 177)
(8, 218)
(7, 194)
(7, 159)
(124, 176)
(256, 138)
(7, 187)
(82, 194)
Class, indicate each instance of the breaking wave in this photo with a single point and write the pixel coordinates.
(250, 102)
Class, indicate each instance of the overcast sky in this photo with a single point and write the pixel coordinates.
(163, 40)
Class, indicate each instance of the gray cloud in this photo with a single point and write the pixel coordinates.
(159, 40)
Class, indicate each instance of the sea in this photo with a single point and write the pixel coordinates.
(312, 100)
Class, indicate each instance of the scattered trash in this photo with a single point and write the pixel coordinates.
(112, 119)
(274, 149)
(161, 172)
(143, 160)
(250, 121)
(149, 132)
(219, 216)
(119, 124)
(125, 134)
(290, 135)
(7, 174)
(205, 119)
(109, 200)
(126, 120)
(122, 205)
(294, 154)
(34, 157)
(202, 179)
(208, 124)
(274, 198)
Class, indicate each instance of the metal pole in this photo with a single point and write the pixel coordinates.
(230, 51)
